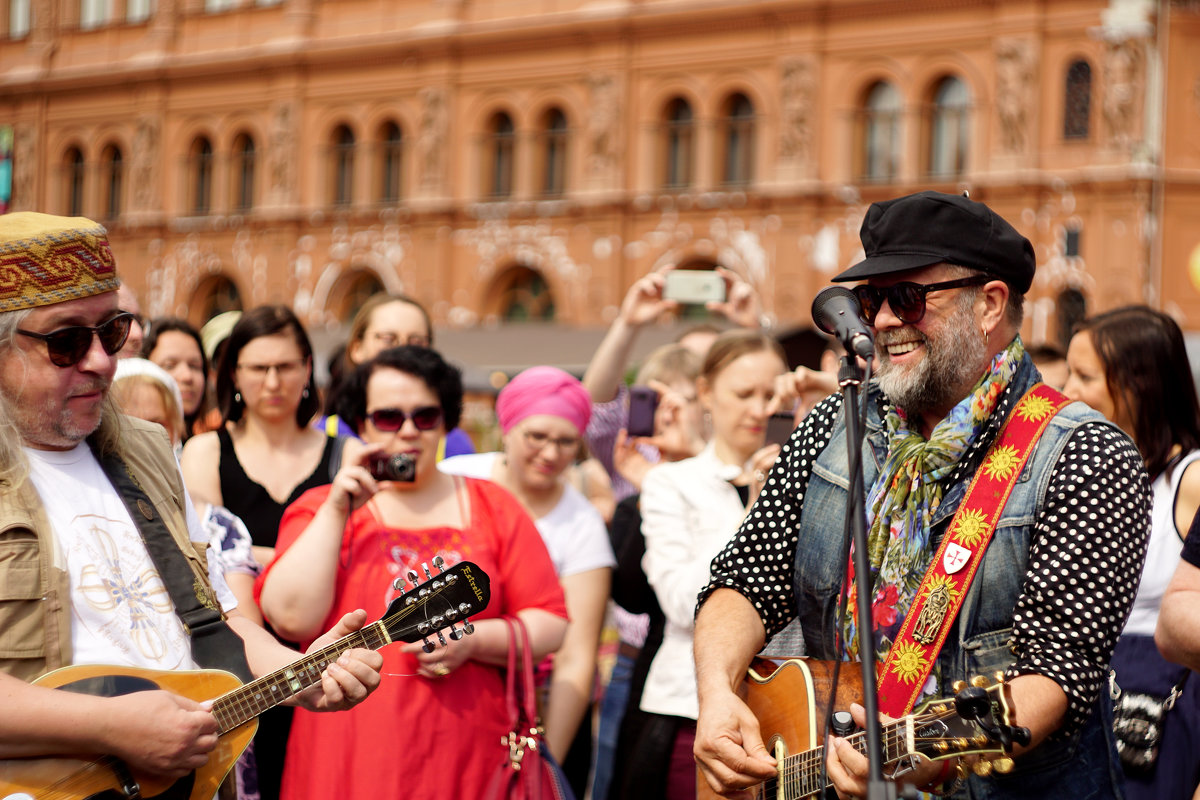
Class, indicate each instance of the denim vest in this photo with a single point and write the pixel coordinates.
(1080, 766)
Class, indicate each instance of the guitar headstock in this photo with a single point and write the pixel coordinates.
(441, 601)
(975, 721)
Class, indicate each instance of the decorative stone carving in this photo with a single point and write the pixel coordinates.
(283, 153)
(1014, 76)
(1123, 85)
(146, 159)
(797, 95)
(603, 122)
(24, 167)
(431, 139)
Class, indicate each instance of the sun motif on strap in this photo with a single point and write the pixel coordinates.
(943, 582)
(969, 527)
(1034, 408)
(1001, 462)
(909, 661)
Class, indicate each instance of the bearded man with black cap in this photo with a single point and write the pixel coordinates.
(1006, 527)
(102, 555)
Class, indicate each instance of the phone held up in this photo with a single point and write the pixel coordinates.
(400, 467)
(643, 402)
(694, 286)
(779, 427)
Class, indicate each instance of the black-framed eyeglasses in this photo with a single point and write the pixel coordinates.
(68, 346)
(906, 299)
(390, 420)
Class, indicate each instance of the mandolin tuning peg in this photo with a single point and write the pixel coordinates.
(983, 768)
(425, 568)
(398, 585)
(1003, 765)
(467, 627)
(413, 577)
(981, 681)
(428, 646)
(439, 563)
(441, 638)
(958, 686)
(455, 633)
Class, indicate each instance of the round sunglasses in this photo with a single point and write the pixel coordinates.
(390, 420)
(68, 346)
(906, 299)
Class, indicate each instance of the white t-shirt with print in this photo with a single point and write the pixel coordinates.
(121, 613)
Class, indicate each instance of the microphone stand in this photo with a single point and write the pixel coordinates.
(850, 378)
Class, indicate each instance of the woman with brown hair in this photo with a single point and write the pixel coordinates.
(1131, 365)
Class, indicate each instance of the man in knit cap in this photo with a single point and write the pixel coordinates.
(101, 555)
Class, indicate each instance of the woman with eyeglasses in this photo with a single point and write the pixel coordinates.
(433, 727)
(384, 321)
(1131, 365)
(543, 413)
(690, 509)
(263, 457)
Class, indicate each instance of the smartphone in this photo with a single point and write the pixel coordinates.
(643, 402)
(779, 427)
(694, 286)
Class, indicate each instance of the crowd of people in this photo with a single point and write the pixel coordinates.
(649, 570)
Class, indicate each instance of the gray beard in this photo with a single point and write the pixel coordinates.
(951, 366)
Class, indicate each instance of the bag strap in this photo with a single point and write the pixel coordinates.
(525, 667)
(214, 644)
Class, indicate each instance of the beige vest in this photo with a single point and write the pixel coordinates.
(35, 613)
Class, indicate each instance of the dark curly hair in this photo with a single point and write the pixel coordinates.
(256, 323)
(442, 378)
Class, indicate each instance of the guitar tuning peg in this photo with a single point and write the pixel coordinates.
(983, 768)
(439, 563)
(958, 686)
(981, 681)
(1003, 765)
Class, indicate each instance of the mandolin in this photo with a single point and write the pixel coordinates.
(442, 601)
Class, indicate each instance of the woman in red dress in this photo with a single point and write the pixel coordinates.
(434, 726)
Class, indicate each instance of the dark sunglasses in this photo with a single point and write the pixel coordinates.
(906, 299)
(67, 346)
(390, 420)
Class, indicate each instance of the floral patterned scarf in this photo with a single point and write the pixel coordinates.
(905, 496)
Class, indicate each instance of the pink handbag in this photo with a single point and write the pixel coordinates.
(528, 771)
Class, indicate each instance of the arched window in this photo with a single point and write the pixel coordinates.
(881, 133)
(949, 128)
(113, 180)
(1077, 101)
(391, 151)
(242, 172)
(353, 289)
(500, 139)
(738, 129)
(679, 130)
(554, 153)
(200, 169)
(216, 294)
(525, 297)
(342, 166)
(74, 170)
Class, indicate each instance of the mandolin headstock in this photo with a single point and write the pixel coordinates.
(442, 600)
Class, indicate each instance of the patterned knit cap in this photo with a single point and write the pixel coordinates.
(46, 259)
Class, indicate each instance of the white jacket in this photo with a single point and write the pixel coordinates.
(689, 511)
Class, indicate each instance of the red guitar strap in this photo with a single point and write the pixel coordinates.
(944, 587)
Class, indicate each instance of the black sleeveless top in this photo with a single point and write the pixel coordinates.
(251, 502)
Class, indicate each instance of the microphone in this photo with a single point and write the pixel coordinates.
(836, 311)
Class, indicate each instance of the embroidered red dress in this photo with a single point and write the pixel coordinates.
(416, 737)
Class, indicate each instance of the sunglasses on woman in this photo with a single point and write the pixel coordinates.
(68, 346)
(906, 299)
(390, 420)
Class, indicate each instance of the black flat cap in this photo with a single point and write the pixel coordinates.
(927, 228)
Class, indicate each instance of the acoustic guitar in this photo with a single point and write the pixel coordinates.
(789, 702)
(445, 599)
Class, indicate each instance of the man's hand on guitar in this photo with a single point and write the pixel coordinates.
(729, 747)
(158, 733)
(849, 770)
(347, 682)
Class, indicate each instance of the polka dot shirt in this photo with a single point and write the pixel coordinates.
(1085, 558)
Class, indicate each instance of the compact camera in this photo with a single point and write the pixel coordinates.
(400, 467)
